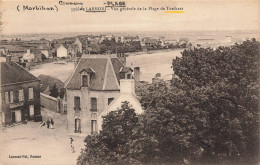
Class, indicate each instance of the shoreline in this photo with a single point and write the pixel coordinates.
(152, 52)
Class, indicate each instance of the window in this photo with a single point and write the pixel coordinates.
(11, 96)
(93, 104)
(76, 103)
(30, 93)
(3, 117)
(77, 126)
(21, 95)
(128, 76)
(6, 97)
(110, 100)
(93, 126)
(85, 80)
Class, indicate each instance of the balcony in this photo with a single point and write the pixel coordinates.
(14, 105)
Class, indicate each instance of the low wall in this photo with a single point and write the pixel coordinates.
(50, 103)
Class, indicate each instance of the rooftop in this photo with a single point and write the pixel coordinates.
(106, 72)
(12, 73)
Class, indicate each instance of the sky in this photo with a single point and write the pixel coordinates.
(197, 16)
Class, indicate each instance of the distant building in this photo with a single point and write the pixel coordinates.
(28, 58)
(149, 42)
(228, 39)
(62, 51)
(79, 44)
(46, 53)
(184, 39)
(20, 94)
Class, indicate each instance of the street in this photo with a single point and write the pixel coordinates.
(30, 143)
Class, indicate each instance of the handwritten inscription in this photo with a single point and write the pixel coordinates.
(107, 6)
(37, 8)
(70, 3)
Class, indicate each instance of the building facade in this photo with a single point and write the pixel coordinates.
(127, 93)
(62, 51)
(20, 94)
(90, 89)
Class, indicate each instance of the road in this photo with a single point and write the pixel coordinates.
(51, 145)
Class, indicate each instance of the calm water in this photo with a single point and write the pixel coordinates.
(149, 64)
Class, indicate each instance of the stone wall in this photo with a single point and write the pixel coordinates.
(51, 103)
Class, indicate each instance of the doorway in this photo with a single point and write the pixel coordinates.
(16, 116)
(13, 116)
(77, 126)
(31, 110)
(93, 127)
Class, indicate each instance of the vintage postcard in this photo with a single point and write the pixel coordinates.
(129, 82)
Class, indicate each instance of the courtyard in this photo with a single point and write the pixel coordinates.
(32, 144)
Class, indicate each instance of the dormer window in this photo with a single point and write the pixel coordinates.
(125, 73)
(86, 76)
(85, 81)
(128, 76)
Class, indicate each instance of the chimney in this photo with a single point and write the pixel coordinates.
(158, 75)
(127, 86)
(137, 73)
(8, 58)
(28, 51)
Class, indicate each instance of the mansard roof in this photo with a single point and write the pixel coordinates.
(105, 69)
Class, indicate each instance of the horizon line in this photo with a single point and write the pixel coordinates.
(255, 30)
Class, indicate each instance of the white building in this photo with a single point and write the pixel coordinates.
(46, 53)
(77, 42)
(62, 51)
(28, 56)
(228, 39)
(127, 93)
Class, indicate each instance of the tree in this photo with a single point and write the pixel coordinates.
(171, 126)
(209, 114)
(111, 146)
(54, 91)
(231, 77)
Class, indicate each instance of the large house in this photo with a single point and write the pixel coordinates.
(94, 84)
(20, 94)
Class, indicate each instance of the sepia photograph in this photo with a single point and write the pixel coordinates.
(129, 82)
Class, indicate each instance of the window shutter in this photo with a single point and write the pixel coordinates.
(30, 93)
(11, 96)
(6, 97)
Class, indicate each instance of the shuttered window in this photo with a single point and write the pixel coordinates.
(30, 93)
(93, 126)
(21, 95)
(93, 104)
(11, 96)
(76, 103)
(6, 97)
